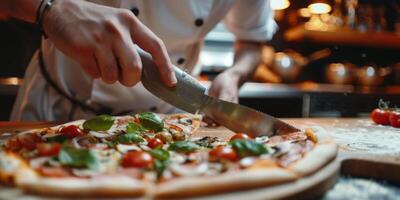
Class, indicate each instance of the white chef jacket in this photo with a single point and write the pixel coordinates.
(181, 24)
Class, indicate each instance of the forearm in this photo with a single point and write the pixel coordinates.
(247, 58)
(21, 9)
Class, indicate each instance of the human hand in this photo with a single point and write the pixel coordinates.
(101, 39)
(226, 87)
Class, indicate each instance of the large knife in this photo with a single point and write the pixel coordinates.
(189, 95)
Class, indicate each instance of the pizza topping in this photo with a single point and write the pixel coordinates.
(123, 148)
(159, 154)
(83, 141)
(99, 123)
(81, 158)
(154, 143)
(165, 136)
(240, 136)
(191, 169)
(223, 153)
(161, 160)
(209, 142)
(48, 149)
(71, 131)
(262, 139)
(139, 159)
(134, 127)
(13, 144)
(151, 121)
(129, 138)
(296, 136)
(311, 135)
(247, 161)
(176, 132)
(100, 134)
(29, 140)
(54, 138)
(39, 162)
(183, 146)
(248, 147)
(186, 121)
(54, 171)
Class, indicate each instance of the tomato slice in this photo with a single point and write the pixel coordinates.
(48, 149)
(54, 171)
(139, 159)
(240, 136)
(224, 153)
(154, 142)
(394, 119)
(71, 131)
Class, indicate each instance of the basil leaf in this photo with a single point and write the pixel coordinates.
(183, 146)
(160, 166)
(134, 127)
(151, 121)
(99, 123)
(82, 158)
(248, 147)
(130, 138)
(159, 154)
(57, 138)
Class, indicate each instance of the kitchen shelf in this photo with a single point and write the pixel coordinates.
(344, 36)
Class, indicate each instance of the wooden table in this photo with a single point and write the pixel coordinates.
(366, 150)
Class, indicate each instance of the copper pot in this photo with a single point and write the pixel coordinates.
(370, 75)
(339, 73)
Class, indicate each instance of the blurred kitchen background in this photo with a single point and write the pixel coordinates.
(329, 58)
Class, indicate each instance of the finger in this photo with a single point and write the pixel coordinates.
(91, 68)
(149, 42)
(129, 60)
(107, 64)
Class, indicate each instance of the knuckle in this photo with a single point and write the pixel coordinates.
(125, 15)
(112, 28)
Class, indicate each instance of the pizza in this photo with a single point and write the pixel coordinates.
(154, 156)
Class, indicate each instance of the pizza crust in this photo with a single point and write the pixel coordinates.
(232, 181)
(315, 159)
(104, 186)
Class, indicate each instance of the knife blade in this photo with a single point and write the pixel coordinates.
(189, 95)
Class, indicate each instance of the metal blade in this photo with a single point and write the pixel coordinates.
(189, 95)
(243, 119)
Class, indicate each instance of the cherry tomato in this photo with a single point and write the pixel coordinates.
(240, 136)
(394, 119)
(71, 131)
(140, 159)
(224, 153)
(154, 142)
(29, 141)
(380, 116)
(48, 149)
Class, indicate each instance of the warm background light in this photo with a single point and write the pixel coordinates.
(280, 4)
(304, 12)
(319, 8)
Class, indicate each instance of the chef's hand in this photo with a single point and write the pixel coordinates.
(101, 39)
(225, 86)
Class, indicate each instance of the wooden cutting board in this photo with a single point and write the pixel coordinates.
(366, 150)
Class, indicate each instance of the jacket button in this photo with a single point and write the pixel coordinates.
(198, 22)
(180, 61)
(135, 11)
